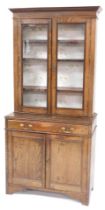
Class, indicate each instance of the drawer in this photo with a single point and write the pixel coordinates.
(47, 127)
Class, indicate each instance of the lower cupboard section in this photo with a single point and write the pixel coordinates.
(58, 163)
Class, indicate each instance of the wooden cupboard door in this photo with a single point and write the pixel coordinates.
(71, 45)
(33, 65)
(26, 159)
(66, 159)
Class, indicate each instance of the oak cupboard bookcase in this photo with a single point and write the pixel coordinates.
(50, 136)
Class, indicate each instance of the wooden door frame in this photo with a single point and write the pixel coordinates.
(86, 95)
(18, 69)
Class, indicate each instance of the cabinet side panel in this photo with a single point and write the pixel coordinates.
(15, 51)
(92, 70)
(92, 160)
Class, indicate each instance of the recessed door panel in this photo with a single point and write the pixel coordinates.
(27, 158)
(64, 166)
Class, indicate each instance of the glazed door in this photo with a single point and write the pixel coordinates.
(34, 66)
(70, 65)
(66, 163)
(26, 159)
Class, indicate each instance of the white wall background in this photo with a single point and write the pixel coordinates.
(38, 201)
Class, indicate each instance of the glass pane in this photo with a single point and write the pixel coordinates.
(70, 65)
(35, 32)
(70, 51)
(34, 99)
(35, 47)
(71, 32)
(70, 100)
(70, 74)
(35, 50)
(35, 73)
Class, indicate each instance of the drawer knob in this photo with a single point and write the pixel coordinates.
(30, 126)
(67, 130)
(63, 128)
(21, 125)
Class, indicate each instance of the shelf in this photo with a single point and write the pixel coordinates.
(71, 41)
(41, 89)
(32, 41)
(69, 90)
(34, 59)
(59, 60)
(70, 60)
